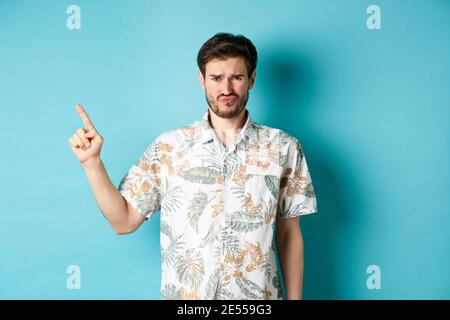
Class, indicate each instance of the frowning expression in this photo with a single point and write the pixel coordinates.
(227, 84)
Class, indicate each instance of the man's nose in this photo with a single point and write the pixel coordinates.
(227, 87)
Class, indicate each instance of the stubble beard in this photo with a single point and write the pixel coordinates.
(239, 105)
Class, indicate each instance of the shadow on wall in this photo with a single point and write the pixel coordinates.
(290, 83)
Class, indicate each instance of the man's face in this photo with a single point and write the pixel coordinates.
(226, 85)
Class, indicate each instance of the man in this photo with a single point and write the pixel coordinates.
(224, 186)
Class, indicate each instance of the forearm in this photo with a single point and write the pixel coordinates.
(109, 199)
(290, 253)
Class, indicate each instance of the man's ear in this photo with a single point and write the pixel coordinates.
(252, 79)
(201, 79)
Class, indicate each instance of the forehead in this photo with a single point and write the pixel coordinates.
(226, 66)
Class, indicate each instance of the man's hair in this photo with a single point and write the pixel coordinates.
(226, 45)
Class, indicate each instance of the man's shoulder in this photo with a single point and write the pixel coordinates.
(179, 135)
(284, 138)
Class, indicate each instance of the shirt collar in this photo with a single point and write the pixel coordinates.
(208, 133)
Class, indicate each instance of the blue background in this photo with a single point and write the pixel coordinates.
(370, 107)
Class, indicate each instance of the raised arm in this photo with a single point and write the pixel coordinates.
(86, 144)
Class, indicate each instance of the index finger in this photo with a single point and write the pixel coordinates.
(84, 117)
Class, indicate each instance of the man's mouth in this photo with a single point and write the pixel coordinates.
(227, 99)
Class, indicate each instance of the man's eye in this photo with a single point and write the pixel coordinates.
(215, 79)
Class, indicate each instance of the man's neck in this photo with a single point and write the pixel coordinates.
(227, 129)
(221, 124)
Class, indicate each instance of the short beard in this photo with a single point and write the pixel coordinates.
(214, 106)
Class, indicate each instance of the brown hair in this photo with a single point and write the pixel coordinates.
(226, 45)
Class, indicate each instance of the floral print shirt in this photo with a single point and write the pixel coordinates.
(219, 207)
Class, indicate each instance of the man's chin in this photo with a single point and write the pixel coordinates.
(228, 112)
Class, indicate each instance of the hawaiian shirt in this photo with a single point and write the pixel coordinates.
(218, 207)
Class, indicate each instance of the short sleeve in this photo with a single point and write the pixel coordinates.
(141, 186)
(296, 196)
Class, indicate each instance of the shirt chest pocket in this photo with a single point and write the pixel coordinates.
(261, 189)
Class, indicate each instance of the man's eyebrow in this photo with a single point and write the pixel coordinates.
(234, 75)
